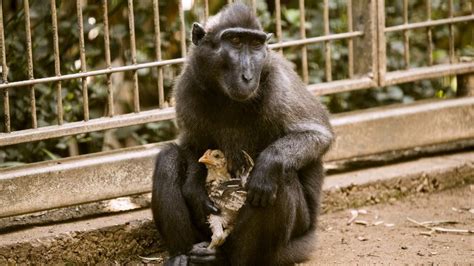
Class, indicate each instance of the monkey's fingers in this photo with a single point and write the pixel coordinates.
(181, 260)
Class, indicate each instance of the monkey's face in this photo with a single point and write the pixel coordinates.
(243, 54)
(232, 58)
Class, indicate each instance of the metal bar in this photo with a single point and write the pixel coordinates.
(254, 6)
(229, 2)
(57, 62)
(133, 50)
(110, 90)
(350, 42)
(341, 86)
(156, 21)
(29, 51)
(82, 53)
(430, 23)
(406, 37)
(93, 73)
(430, 72)
(206, 9)
(327, 44)
(451, 33)
(278, 24)
(429, 33)
(381, 56)
(182, 28)
(319, 39)
(73, 128)
(5, 93)
(304, 52)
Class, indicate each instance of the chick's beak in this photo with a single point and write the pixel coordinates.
(206, 158)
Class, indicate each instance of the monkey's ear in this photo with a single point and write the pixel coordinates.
(269, 37)
(198, 33)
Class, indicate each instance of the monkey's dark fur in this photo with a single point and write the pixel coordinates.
(234, 94)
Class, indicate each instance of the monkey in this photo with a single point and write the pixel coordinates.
(234, 94)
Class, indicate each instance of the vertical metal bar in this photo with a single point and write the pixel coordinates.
(82, 53)
(110, 92)
(206, 9)
(183, 29)
(278, 23)
(6, 99)
(304, 52)
(350, 42)
(57, 62)
(327, 44)
(429, 33)
(229, 2)
(380, 68)
(133, 50)
(254, 6)
(406, 38)
(156, 20)
(451, 33)
(29, 49)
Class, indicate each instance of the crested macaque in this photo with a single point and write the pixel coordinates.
(235, 94)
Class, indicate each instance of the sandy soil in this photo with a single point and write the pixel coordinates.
(396, 240)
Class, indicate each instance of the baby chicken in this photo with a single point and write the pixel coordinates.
(226, 192)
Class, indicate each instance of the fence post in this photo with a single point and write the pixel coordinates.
(465, 85)
(364, 13)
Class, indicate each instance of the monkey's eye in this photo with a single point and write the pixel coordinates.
(236, 41)
(256, 44)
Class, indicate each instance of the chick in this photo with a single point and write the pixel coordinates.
(226, 192)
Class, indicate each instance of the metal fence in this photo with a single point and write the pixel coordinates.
(365, 36)
(49, 184)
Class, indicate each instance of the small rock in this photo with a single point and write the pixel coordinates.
(404, 247)
(420, 254)
(362, 238)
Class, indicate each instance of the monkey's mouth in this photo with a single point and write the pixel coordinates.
(242, 93)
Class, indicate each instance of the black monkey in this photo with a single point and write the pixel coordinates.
(235, 94)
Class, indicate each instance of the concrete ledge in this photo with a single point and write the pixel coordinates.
(103, 176)
(122, 237)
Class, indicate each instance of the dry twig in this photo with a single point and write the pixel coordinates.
(440, 229)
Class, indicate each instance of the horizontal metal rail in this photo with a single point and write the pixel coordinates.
(429, 23)
(93, 73)
(319, 39)
(429, 72)
(73, 128)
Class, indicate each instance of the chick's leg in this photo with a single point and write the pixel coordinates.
(218, 234)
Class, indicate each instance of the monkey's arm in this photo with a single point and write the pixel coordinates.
(193, 189)
(304, 143)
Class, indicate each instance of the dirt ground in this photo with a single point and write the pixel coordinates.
(389, 237)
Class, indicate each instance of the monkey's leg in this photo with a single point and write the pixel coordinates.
(265, 235)
(170, 212)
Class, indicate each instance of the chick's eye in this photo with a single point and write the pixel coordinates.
(217, 156)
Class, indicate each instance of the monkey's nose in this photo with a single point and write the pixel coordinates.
(247, 77)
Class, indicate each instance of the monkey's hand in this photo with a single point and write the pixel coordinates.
(200, 205)
(200, 254)
(263, 183)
